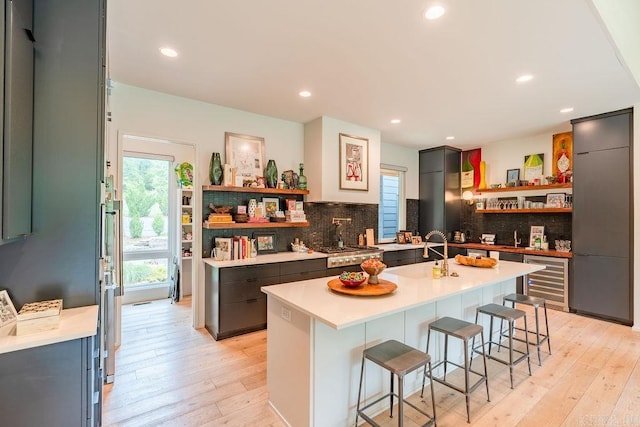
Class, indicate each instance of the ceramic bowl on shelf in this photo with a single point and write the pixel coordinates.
(351, 279)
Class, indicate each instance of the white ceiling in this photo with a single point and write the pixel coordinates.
(369, 61)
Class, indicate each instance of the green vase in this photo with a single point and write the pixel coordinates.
(215, 169)
(271, 174)
(302, 180)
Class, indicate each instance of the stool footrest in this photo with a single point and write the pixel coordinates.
(386, 396)
(472, 387)
(522, 354)
(543, 337)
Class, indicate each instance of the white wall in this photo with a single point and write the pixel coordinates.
(396, 155)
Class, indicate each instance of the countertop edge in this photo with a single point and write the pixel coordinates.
(75, 323)
(503, 248)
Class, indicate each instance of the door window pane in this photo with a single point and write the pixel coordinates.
(145, 272)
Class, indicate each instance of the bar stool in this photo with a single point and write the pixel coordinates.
(399, 359)
(510, 315)
(534, 302)
(463, 331)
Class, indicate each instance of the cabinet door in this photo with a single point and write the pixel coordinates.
(431, 160)
(431, 207)
(18, 120)
(602, 132)
(601, 197)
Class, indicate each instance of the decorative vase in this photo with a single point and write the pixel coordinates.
(215, 169)
(251, 208)
(271, 174)
(483, 175)
(302, 180)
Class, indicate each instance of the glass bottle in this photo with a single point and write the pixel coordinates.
(466, 177)
(302, 180)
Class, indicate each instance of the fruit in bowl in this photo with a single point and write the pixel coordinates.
(373, 267)
(352, 279)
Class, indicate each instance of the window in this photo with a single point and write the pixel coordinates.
(391, 211)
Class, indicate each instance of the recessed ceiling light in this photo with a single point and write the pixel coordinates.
(305, 94)
(567, 110)
(167, 51)
(524, 78)
(434, 12)
(451, 137)
(395, 121)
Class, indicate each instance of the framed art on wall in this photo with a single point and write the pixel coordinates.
(271, 206)
(246, 154)
(513, 175)
(354, 163)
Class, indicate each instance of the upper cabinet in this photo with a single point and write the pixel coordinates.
(16, 118)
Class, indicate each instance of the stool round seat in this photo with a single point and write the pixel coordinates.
(399, 359)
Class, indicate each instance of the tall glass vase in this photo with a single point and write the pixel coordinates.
(215, 169)
(271, 174)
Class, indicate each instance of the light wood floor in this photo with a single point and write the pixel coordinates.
(169, 374)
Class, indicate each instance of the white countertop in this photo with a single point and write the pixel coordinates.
(265, 259)
(415, 288)
(75, 323)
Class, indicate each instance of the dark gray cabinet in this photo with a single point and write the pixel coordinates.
(401, 257)
(17, 118)
(509, 256)
(439, 190)
(602, 216)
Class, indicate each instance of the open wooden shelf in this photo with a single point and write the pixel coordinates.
(524, 211)
(253, 190)
(223, 225)
(527, 188)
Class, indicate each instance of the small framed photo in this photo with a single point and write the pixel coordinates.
(241, 209)
(416, 240)
(407, 236)
(291, 204)
(536, 231)
(513, 175)
(555, 200)
(300, 206)
(271, 206)
(400, 237)
(261, 181)
(7, 310)
(267, 242)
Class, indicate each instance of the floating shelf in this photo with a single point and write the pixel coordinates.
(223, 225)
(524, 211)
(253, 190)
(526, 188)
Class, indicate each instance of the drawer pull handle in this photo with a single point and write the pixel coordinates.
(252, 300)
(252, 279)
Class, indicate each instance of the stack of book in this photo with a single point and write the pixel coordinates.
(236, 247)
(220, 218)
(39, 316)
(295, 211)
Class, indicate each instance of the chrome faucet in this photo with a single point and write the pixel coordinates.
(445, 255)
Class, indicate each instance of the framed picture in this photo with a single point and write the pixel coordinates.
(354, 163)
(400, 237)
(513, 175)
(271, 206)
(536, 231)
(416, 240)
(246, 154)
(533, 166)
(291, 204)
(562, 155)
(7, 310)
(267, 242)
(555, 200)
(407, 236)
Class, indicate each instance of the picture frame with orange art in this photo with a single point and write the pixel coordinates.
(562, 157)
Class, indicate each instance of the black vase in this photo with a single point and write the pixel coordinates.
(215, 169)
(271, 174)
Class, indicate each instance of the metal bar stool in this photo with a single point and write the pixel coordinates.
(463, 331)
(535, 302)
(399, 359)
(510, 315)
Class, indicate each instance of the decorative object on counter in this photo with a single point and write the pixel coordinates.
(215, 169)
(470, 169)
(436, 271)
(482, 262)
(7, 310)
(369, 236)
(400, 238)
(184, 172)
(271, 174)
(488, 239)
(383, 287)
(483, 174)
(533, 166)
(563, 245)
(407, 236)
(302, 179)
(352, 279)
(299, 246)
(271, 206)
(537, 231)
(555, 200)
(267, 242)
(360, 239)
(251, 207)
(354, 163)
(416, 240)
(246, 154)
(39, 316)
(513, 176)
(562, 155)
(373, 267)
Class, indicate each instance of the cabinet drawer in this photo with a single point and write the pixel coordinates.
(392, 256)
(293, 267)
(303, 275)
(249, 273)
(241, 316)
(245, 291)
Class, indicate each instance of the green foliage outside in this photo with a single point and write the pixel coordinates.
(135, 227)
(144, 273)
(158, 224)
(145, 183)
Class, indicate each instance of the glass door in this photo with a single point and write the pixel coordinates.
(147, 221)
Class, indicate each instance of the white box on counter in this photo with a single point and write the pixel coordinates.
(39, 316)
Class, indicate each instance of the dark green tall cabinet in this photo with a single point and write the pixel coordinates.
(57, 384)
(439, 190)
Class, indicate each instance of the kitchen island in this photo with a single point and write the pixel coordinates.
(315, 337)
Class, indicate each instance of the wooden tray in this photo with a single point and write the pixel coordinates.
(366, 290)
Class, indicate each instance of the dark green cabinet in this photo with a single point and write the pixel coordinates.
(17, 118)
